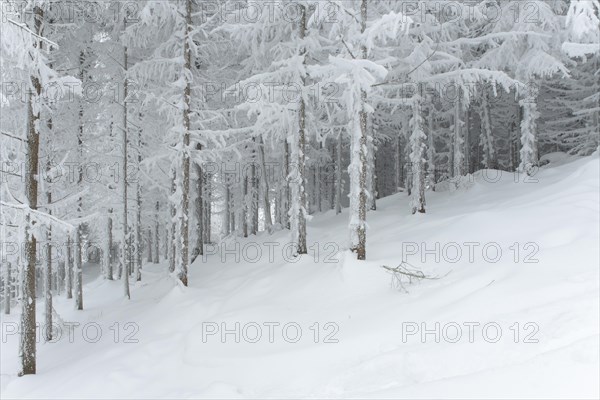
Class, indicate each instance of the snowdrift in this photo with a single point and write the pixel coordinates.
(514, 313)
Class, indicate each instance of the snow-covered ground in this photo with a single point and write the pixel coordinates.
(538, 299)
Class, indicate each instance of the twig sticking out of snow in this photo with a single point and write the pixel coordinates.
(404, 274)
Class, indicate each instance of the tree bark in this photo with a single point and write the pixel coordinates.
(48, 267)
(529, 140)
(232, 212)
(374, 181)
(466, 142)
(125, 255)
(60, 276)
(48, 260)
(69, 271)
(286, 200)
(107, 251)
(150, 246)
(77, 273)
(28, 318)
(301, 153)
(78, 270)
(227, 212)
(171, 244)
(362, 200)
(431, 151)
(254, 193)
(167, 244)
(331, 177)
(245, 207)
(417, 158)
(338, 175)
(138, 208)
(198, 211)
(265, 185)
(489, 151)
(319, 192)
(207, 223)
(7, 291)
(156, 235)
(458, 142)
(185, 178)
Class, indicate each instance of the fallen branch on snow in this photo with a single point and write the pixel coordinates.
(406, 273)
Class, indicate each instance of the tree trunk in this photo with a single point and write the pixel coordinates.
(398, 162)
(265, 185)
(320, 189)
(299, 194)
(125, 256)
(417, 158)
(108, 248)
(286, 201)
(198, 211)
(7, 291)
(167, 244)
(529, 141)
(596, 121)
(207, 223)
(254, 192)
(458, 142)
(182, 268)
(361, 233)
(489, 151)
(78, 270)
(232, 212)
(466, 141)
(60, 276)
(156, 235)
(227, 212)
(374, 182)
(48, 269)
(138, 209)
(150, 246)
(277, 198)
(404, 156)
(69, 271)
(245, 207)
(314, 206)
(338, 176)
(28, 318)
(171, 244)
(331, 176)
(48, 260)
(431, 151)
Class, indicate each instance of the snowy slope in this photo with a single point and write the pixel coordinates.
(555, 301)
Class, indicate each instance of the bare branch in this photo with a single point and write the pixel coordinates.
(405, 273)
(13, 136)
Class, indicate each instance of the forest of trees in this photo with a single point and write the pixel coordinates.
(137, 132)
